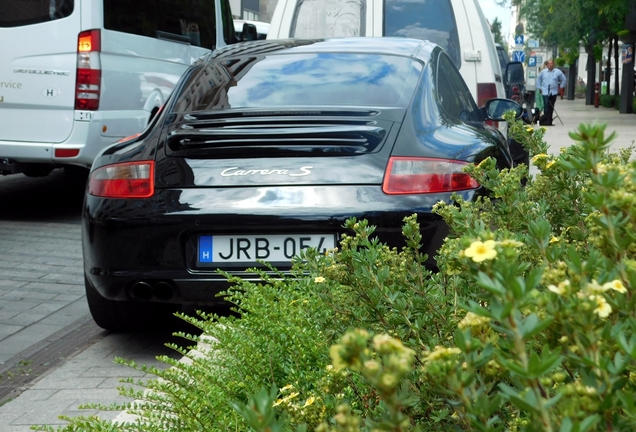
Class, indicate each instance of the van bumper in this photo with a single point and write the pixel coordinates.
(92, 131)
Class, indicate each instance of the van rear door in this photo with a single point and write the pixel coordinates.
(37, 69)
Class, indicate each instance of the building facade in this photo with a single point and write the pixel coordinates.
(255, 10)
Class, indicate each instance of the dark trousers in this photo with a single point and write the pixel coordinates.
(548, 103)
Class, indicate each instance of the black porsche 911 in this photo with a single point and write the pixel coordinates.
(267, 148)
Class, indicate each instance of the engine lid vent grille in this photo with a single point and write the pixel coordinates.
(277, 133)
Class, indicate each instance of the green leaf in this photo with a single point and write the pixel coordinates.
(460, 339)
(536, 326)
(492, 286)
(566, 425)
(513, 366)
(574, 261)
(533, 278)
(590, 422)
(525, 402)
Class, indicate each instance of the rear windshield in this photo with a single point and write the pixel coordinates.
(362, 80)
(432, 20)
(15, 13)
(329, 18)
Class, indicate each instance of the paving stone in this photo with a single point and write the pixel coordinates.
(74, 383)
(68, 297)
(6, 314)
(7, 329)
(19, 304)
(115, 371)
(27, 318)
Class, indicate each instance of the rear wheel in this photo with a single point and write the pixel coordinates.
(129, 315)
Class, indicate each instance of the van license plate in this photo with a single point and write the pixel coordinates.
(250, 248)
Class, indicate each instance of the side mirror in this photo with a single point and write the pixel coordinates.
(496, 108)
(514, 74)
(249, 32)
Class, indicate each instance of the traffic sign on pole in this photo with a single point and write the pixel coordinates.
(532, 61)
(519, 40)
(519, 56)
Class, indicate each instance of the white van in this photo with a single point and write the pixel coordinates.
(459, 26)
(77, 75)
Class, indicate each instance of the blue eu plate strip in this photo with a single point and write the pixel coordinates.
(205, 249)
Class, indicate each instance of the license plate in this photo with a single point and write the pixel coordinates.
(250, 248)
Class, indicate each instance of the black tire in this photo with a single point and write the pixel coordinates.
(129, 315)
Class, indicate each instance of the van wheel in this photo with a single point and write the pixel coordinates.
(128, 315)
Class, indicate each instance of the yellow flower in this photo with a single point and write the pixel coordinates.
(481, 251)
(535, 158)
(337, 360)
(596, 288)
(561, 288)
(441, 352)
(549, 164)
(473, 320)
(309, 401)
(529, 129)
(603, 309)
(287, 387)
(554, 239)
(319, 279)
(616, 285)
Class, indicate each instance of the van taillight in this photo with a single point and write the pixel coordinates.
(410, 175)
(486, 91)
(89, 70)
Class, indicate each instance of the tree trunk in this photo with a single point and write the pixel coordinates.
(607, 75)
(572, 81)
(591, 75)
(616, 65)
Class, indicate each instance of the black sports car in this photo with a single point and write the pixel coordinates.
(266, 148)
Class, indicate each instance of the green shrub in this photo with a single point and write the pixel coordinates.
(609, 101)
(529, 325)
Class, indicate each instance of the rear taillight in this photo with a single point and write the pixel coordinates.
(89, 70)
(124, 180)
(486, 91)
(405, 175)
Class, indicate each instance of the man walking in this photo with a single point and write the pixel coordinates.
(548, 83)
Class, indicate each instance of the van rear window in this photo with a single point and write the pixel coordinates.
(16, 13)
(333, 18)
(186, 21)
(425, 20)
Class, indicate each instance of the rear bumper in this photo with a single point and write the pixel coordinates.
(154, 241)
(87, 136)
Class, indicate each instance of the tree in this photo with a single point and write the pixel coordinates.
(495, 29)
(567, 24)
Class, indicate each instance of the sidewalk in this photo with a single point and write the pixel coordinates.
(574, 112)
(91, 376)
